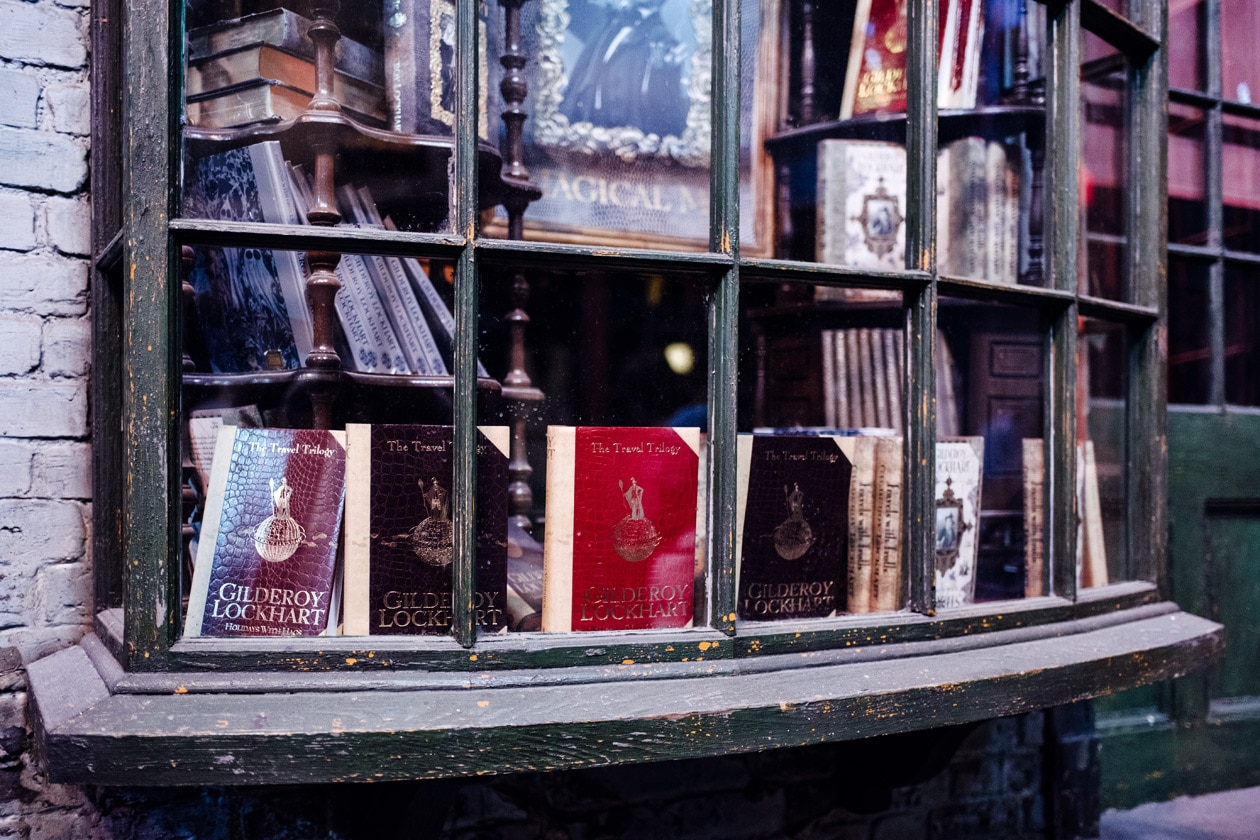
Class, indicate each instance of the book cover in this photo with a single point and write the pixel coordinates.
(265, 62)
(959, 462)
(861, 201)
(420, 67)
(251, 302)
(861, 554)
(1093, 539)
(268, 544)
(1034, 517)
(875, 80)
(399, 544)
(886, 582)
(619, 550)
(287, 30)
(791, 533)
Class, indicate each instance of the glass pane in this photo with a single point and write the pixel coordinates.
(1186, 51)
(1189, 332)
(266, 488)
(1103, 171)
(1242, 335)
(1240, 63)
(1100, 416)
(617, 127)
(1187, 187)
(1241, 162)
(621, 363)
(249, 88)
(990, 374)
(821, 465)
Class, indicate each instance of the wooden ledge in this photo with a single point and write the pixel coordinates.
(89, 732)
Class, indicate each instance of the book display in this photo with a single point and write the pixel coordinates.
(291, 121)
(597, 226)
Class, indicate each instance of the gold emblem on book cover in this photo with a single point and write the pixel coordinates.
(880, 219)
(278, 537)
(793, 537)
(432, 539)
(634, 536)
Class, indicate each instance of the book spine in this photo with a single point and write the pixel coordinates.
(1094, 538)
(844, 409)
(400, 63)
(853, 350)
(866, 365)
(354, 274)
(1034, 518)
(1001, 220)
(358, 527)
(861, 522)
(829, 377)
(886, 565)
(557, 605)
(969, 194)
(365, 357)
(892, 365)
(1010, 215)
(944, 211)
(857, 46)
(829, 221)
(874, 347)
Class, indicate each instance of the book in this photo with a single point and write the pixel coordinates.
(524, 580)
(830, 395)
(967, 195)
(959, 464)
(861, 201)
(961, 43)
(1001, 213)
(251, 302)
(260, 101)
(203, 434)
(399, 542)
(268, 544)
(1034, 459)
(288, 31)
(886, 541)
(861, 554)
(420, 67)
(875, 77)
(257, 62)
(1092, 536)
(792, 522)
(619, 549)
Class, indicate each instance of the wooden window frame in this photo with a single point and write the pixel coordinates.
(157, 709)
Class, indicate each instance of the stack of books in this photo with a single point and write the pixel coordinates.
(260, 68)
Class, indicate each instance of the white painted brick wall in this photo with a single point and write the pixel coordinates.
(45, 326)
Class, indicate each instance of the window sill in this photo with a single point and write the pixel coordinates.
(96, 724)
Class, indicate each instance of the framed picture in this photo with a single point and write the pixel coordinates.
(619, 125)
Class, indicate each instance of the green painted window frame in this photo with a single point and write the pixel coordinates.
(712, 678)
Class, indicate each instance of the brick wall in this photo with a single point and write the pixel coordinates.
(991, 786)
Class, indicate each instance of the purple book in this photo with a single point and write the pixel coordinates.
(268, 545)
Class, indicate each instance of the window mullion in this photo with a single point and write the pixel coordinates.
(724, 312)
(920, 387)
(465, 188)
(1063, 223)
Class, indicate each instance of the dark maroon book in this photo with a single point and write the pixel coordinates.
(793, 525)
(399, 538)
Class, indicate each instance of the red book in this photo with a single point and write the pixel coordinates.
(619, 550)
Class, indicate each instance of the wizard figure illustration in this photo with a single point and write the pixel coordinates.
(634, 536)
